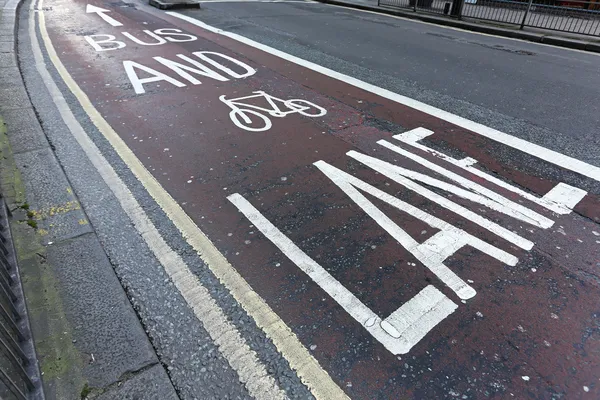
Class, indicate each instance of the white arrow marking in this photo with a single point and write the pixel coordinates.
(101, 12)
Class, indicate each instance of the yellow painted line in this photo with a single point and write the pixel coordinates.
(306, 366)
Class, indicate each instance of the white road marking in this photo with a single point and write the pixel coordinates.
(420, 314)
(433, 251)
(400, 175)
(399, 332)
(230, 343)
(171, 35)
(184, 70)
(241, 113)
(566, 195)
(533, 149)
(560, 204)
(162, 36)
(138, 83)
(102, 13)
(483, 195)
(115, 44)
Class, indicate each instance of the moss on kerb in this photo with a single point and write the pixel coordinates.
(60, 361)
(85, 391)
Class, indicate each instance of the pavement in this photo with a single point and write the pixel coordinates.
(278, 200)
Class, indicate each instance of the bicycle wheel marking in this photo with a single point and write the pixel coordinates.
(240, 110)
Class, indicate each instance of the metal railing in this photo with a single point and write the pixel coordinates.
(574, 16)
(14, 379)
(444, 7)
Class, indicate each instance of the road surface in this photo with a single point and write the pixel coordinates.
(347, 204)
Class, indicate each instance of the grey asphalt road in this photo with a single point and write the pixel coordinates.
(544, 94)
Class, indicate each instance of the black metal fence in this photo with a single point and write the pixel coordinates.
(14, 379)
(444, 7)
(575, 16)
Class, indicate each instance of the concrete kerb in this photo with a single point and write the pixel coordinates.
(475, 27)
(174, 4)
(58, 252)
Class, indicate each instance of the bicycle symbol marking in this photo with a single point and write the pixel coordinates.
(252, 118)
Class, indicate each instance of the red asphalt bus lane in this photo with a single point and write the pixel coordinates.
(532, 328)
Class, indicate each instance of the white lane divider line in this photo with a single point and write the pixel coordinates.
(561, 199)
(398, 333)
(242, 359)
(554, 157)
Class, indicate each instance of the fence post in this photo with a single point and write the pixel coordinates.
(415, 6)
(457, 8)
(526, 13)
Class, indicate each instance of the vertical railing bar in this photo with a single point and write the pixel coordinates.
(576, 17)
(11, 385)
(13, 344)
(526, 13)
(18, 365)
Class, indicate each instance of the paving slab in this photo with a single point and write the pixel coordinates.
(25, 131)
(10, 77)
(7, 59)
(6, 47)
(13, 98)
(52, 204)
(147, 385)
(105, 329)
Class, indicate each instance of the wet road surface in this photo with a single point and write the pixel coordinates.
(413, 252)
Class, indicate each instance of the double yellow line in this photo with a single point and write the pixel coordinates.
(306, 366)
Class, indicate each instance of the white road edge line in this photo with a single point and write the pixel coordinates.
(533, 149)
(231, 344)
